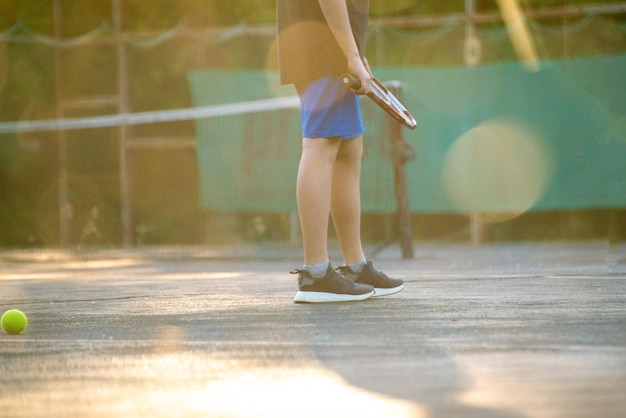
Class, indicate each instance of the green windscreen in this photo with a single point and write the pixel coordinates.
(491, 138)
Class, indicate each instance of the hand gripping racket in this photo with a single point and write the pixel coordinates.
(383, 98)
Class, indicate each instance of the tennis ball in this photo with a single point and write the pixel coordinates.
(14, 321)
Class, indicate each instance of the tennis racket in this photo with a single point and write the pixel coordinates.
(383, 98)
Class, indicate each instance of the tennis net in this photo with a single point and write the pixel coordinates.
(211, 174)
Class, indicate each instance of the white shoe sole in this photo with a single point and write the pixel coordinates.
(323, 297)
(386, 292)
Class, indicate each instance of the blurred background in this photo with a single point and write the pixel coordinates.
(521, 107)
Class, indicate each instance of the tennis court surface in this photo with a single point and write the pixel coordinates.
(515, 330)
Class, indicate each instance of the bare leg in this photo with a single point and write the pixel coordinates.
(346, 199)
(313, 193)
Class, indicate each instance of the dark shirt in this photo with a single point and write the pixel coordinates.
(307, 48)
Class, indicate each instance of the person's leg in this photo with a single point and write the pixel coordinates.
(313, 194)
(346, 212)
(346, 199)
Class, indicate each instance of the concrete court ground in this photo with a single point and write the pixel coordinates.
(517, 330)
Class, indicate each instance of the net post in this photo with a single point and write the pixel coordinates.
(400, 154)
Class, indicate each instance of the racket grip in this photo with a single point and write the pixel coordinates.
(351, 81)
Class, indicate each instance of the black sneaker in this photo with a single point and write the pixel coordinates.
(382, 284)
(330, 288)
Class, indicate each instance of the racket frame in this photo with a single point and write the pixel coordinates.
(383, 98)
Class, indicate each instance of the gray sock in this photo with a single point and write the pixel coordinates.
(319, 271)
(358, 267)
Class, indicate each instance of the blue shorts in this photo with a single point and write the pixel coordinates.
(329, 109)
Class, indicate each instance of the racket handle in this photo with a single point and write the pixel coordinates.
(351, 81)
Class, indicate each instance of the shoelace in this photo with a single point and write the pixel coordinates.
(379, 276)
(345, 272)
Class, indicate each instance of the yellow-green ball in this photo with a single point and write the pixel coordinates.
(14, 321)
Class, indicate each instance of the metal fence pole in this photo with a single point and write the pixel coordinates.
(125, 164)
(401, 153)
